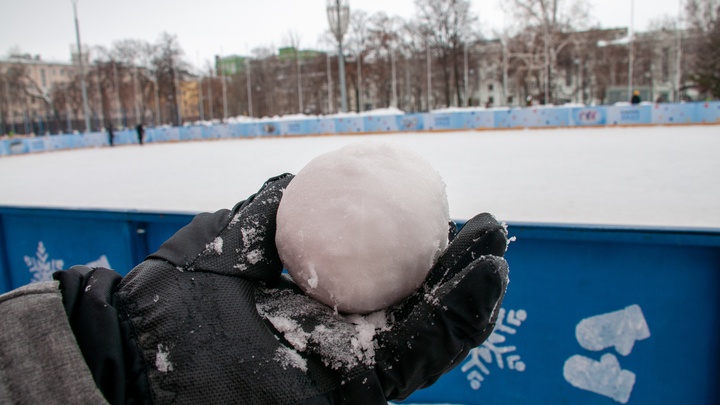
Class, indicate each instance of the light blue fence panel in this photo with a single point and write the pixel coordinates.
(473, 119)
(347, 125)
(437, 121)
(629, 114)
(295, 127)
(237, 130)
(221, 131)
(269, 128)
(16, 146)
(190, 133)
(510, 118)
(410, 122)
(707, 112)
(125, 137)
(672, 113)
(35, 144)
(380, 123)
(587, 116)
(321, 126)
(91, 139)
(55, 142)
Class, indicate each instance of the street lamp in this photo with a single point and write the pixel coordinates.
(82, 69)
(338, 12)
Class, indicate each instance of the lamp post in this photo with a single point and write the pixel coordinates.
(82, 69)
(338, 12)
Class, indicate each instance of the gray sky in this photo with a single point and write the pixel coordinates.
(210, 27)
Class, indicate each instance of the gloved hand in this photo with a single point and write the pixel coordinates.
(210, 319)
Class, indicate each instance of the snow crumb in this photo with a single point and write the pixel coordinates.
(342, 342)
(215, 246)
(313, 280)
(254, 256)
(240, 267)
(161, 359)
(88, 288)
(289, 357)
(234, 220)
(250, 236)
(293, 333)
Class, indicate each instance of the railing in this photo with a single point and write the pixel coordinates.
(592, 314)
(467, 119)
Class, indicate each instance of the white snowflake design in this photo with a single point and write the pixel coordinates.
(40, 268)
(474, 367)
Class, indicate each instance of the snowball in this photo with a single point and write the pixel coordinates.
(360, 227)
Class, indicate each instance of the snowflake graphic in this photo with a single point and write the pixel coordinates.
(474, 367)
(40, 268)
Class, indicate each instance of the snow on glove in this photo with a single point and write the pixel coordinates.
(209, 318)
(390, 354)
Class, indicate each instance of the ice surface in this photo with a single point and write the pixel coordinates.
(642, 176)
(359, 228)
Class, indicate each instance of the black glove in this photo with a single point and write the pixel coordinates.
(210, 319)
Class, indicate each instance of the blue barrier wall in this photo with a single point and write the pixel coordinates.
(540, 117)
(592, 315)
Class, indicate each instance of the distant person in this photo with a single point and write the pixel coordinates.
(141, 133)
(110, 134)
(636, 97)
(529, 100)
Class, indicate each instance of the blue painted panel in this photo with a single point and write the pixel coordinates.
(629, 114)
(321, 126)
(268, 128)
(473, 119)
(438, 121)
(380, 123)
(125, 137)
(349, 125)
(16, 146)
(35, 144)
(588, 116)
(410, 122)
(707, 112)
(556, 283)
(295, 127)
(39, 245)
(665, 280)
(237, 130)
(191, 132)
(672, 113)
(221, 131)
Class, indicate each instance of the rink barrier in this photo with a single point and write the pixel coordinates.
(636, 306)
(469, 119)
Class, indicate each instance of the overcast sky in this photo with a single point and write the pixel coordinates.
(210, 27)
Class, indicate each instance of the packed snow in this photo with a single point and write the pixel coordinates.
(346, 220)
(633, 176)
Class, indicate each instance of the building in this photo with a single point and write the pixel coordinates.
(27, 83)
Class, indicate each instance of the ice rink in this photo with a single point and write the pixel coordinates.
(644, 176)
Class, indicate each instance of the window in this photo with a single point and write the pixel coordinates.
(666, 64)
(42, 75)
(510, 99)
(491, 100)
(490, 87)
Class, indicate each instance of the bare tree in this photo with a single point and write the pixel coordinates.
(544, 22)
(447, 24)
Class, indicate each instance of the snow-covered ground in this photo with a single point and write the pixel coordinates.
(655, 176)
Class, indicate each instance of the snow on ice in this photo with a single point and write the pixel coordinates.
(647, 176)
